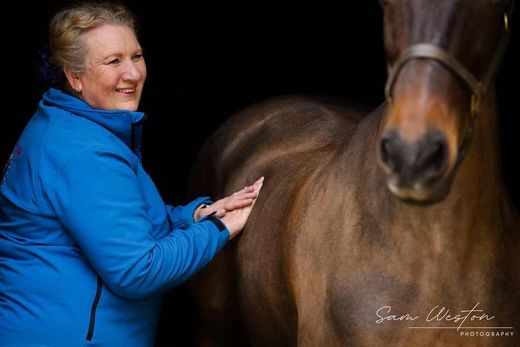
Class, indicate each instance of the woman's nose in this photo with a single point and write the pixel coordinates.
(132, 71)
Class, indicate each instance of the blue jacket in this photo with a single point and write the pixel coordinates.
(87, 245)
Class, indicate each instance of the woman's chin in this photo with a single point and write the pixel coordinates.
(128, 106)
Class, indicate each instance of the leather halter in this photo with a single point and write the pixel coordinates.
(477, 87)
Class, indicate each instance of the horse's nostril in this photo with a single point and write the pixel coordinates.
(432, 154)
(389, 150)
(386, 149)
(413, 162)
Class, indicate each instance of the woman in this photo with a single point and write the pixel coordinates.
(86, 243)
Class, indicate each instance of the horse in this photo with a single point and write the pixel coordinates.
(374, 227)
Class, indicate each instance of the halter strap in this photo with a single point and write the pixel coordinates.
(431, 51)
(477, 87)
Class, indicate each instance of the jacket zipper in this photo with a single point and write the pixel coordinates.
(92, 322)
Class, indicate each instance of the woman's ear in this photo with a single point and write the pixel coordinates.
(74, 79)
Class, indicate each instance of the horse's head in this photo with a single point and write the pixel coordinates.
(442, 56)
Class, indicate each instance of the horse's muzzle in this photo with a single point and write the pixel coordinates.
(414, 169)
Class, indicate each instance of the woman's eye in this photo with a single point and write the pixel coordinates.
(113, 62)
(137, 57)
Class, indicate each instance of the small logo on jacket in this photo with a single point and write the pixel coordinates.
(17, 151)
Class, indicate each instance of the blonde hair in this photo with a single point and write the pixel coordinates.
(67, 47)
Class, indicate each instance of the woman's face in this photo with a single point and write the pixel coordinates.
(115, 69)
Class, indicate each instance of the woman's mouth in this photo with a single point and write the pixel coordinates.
(126, 91)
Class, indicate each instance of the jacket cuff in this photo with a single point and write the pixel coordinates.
(221, 227)
(218, 223)
(188, 212)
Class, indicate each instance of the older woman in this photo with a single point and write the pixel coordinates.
(86, 243)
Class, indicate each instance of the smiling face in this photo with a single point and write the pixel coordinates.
(115, 70)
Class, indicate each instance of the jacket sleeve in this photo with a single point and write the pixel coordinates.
(182, 216)
(98, 200)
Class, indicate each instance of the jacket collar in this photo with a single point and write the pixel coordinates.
(126, 125)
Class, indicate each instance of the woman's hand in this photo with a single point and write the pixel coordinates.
(233, 210)
(237, 200)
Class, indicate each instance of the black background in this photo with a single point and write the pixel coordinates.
(207, 61)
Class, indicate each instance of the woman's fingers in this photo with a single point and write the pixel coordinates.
(248, 189)
(252, 188)
(258, 184)
(220, 213)
(240, 206)
(234, 204)
(249, 195)
(242, 198)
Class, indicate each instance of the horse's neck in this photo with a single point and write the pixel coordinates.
(478, 187)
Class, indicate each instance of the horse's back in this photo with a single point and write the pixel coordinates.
(287, 140)
(271, 132)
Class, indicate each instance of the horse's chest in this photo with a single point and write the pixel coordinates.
(383, 305)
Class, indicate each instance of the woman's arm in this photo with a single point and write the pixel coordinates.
(99, 201)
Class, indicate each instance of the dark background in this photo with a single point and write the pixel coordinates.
(207, 61)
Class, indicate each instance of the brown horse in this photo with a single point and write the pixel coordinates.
(390, 228)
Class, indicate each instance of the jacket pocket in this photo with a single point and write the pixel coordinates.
(92, 321)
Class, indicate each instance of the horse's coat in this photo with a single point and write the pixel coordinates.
(330, 256)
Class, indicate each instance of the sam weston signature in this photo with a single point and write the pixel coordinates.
(452, 320)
